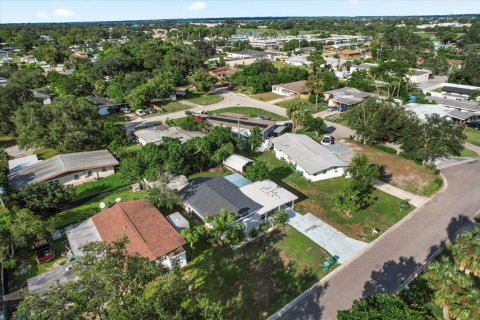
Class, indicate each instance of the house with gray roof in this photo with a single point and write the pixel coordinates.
(344, 98)
(156, 134)
(307, 157)
(66, 169)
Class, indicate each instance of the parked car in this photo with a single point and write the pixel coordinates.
(327, 140)
(125, 110)
(140, 113)
(43, 251)
(472, 124)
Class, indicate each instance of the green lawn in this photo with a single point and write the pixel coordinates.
(202, 99)
(253, 112)
(7, 141)
(261, 277)
(304, 104)
(115, 117)
(215, 172)
(90, 188)
(170, 107)
(317, 198)
(279, 64)
(473, 136)
(46, 153)
(266, 96)
(90, 208)
(468, 153)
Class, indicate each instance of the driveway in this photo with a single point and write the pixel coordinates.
(326, 236)
(388, 264)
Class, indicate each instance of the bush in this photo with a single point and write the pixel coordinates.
(280, 217)
(405, 155)
(263, 227)
(385, 148)
(253, 233)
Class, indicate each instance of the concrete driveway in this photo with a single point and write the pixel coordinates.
(390, 262)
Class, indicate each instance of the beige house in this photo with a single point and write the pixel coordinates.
(66, 169)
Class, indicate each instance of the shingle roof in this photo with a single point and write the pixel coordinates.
(148, 231)
(348, 95)
(61, 164)
(464, 105)
(297, 86)
(308, 154)
(459, 90)
(461, 115)
(207, 196)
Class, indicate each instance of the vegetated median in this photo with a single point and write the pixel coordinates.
(251, 112)
(204, 99)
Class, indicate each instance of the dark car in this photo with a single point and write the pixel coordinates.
(474, 125)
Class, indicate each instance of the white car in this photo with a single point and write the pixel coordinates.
(125, 110)
(140, 113)
(327, 140)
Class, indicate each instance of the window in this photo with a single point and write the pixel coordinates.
(76, 177)
(89, 173)
(104, 169)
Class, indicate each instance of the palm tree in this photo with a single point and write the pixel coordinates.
(448, 285)
(292, 109)
(466, 252)
(315, 85)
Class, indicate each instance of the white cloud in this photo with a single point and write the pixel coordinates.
(41, 15)
(62, 13)
(353, 1)
(196, 6)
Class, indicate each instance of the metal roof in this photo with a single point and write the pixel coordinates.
(237, 162)
(268, 194)
(307, 153)
(61, 164)
(156, 134)
(20, 163)
(464, 105)
(460, 90)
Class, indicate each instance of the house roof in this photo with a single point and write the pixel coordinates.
(298, 87)
(178, 221)
(237, 179)
(367, 66)
(307, 153)
(424, 110)
(460, 90)
(207, 196)
(268, 194)
(460, 115)
(80, 234)
(347, 95)
(156, 134)
(238, 120)
(237, 162)
(349, 52)
(464, 105)
(103, 102)
(148, 231)
(20, 163)
(419, 72)
(61, 164)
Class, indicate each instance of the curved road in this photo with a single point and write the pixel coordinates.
(388, 264)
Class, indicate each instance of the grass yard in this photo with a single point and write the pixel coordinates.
(317, 198)
(202, 99)
(260, 277)
(266, 96)
(27, 266)
(90, 208)
(304, 104)
(170, 107)
(400, 172)
(278, 64)
(468, 153)
(7, 141)
(46, 153)
(252, 112)
(94, 187)
(219, 171)
(473, 136)
(115, 117)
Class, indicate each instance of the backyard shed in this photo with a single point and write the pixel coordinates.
(237, 162)
(178, 221)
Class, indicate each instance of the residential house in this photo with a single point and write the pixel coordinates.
(242, 125)
(156, 134)
(344, 98)
(297, 89)
(148, 232)
(221, 73)
(43, 95)
(106, 106)
(178, 221)
(422, 111)
(20, 163)
(418, 75)
(80, 54)
(250, 203)
(66, 169)
(237, 162)
(307, 157)
(349, 54)
(298, 61)
(461, 105)
(459, 92)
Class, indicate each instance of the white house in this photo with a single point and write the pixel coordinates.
(297, 88)
(419, 75)
(307, 157)
(66, 169)
(298, 61)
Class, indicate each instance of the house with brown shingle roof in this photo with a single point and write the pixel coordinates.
(149, 233)
(297, 88)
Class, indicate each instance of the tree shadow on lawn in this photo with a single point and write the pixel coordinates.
(251, 282)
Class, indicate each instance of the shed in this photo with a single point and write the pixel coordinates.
(178, 221)
(237, 162)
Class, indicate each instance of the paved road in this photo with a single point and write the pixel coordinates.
(396, 256)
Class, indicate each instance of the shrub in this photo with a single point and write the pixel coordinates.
(385, 148)
(280, 217)
(263, 227)
(253, 233)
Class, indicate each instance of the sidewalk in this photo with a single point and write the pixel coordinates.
(413, 199)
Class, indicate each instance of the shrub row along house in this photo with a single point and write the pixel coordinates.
(250, 203)
(65, 169)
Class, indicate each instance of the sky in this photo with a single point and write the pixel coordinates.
(108, 10)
